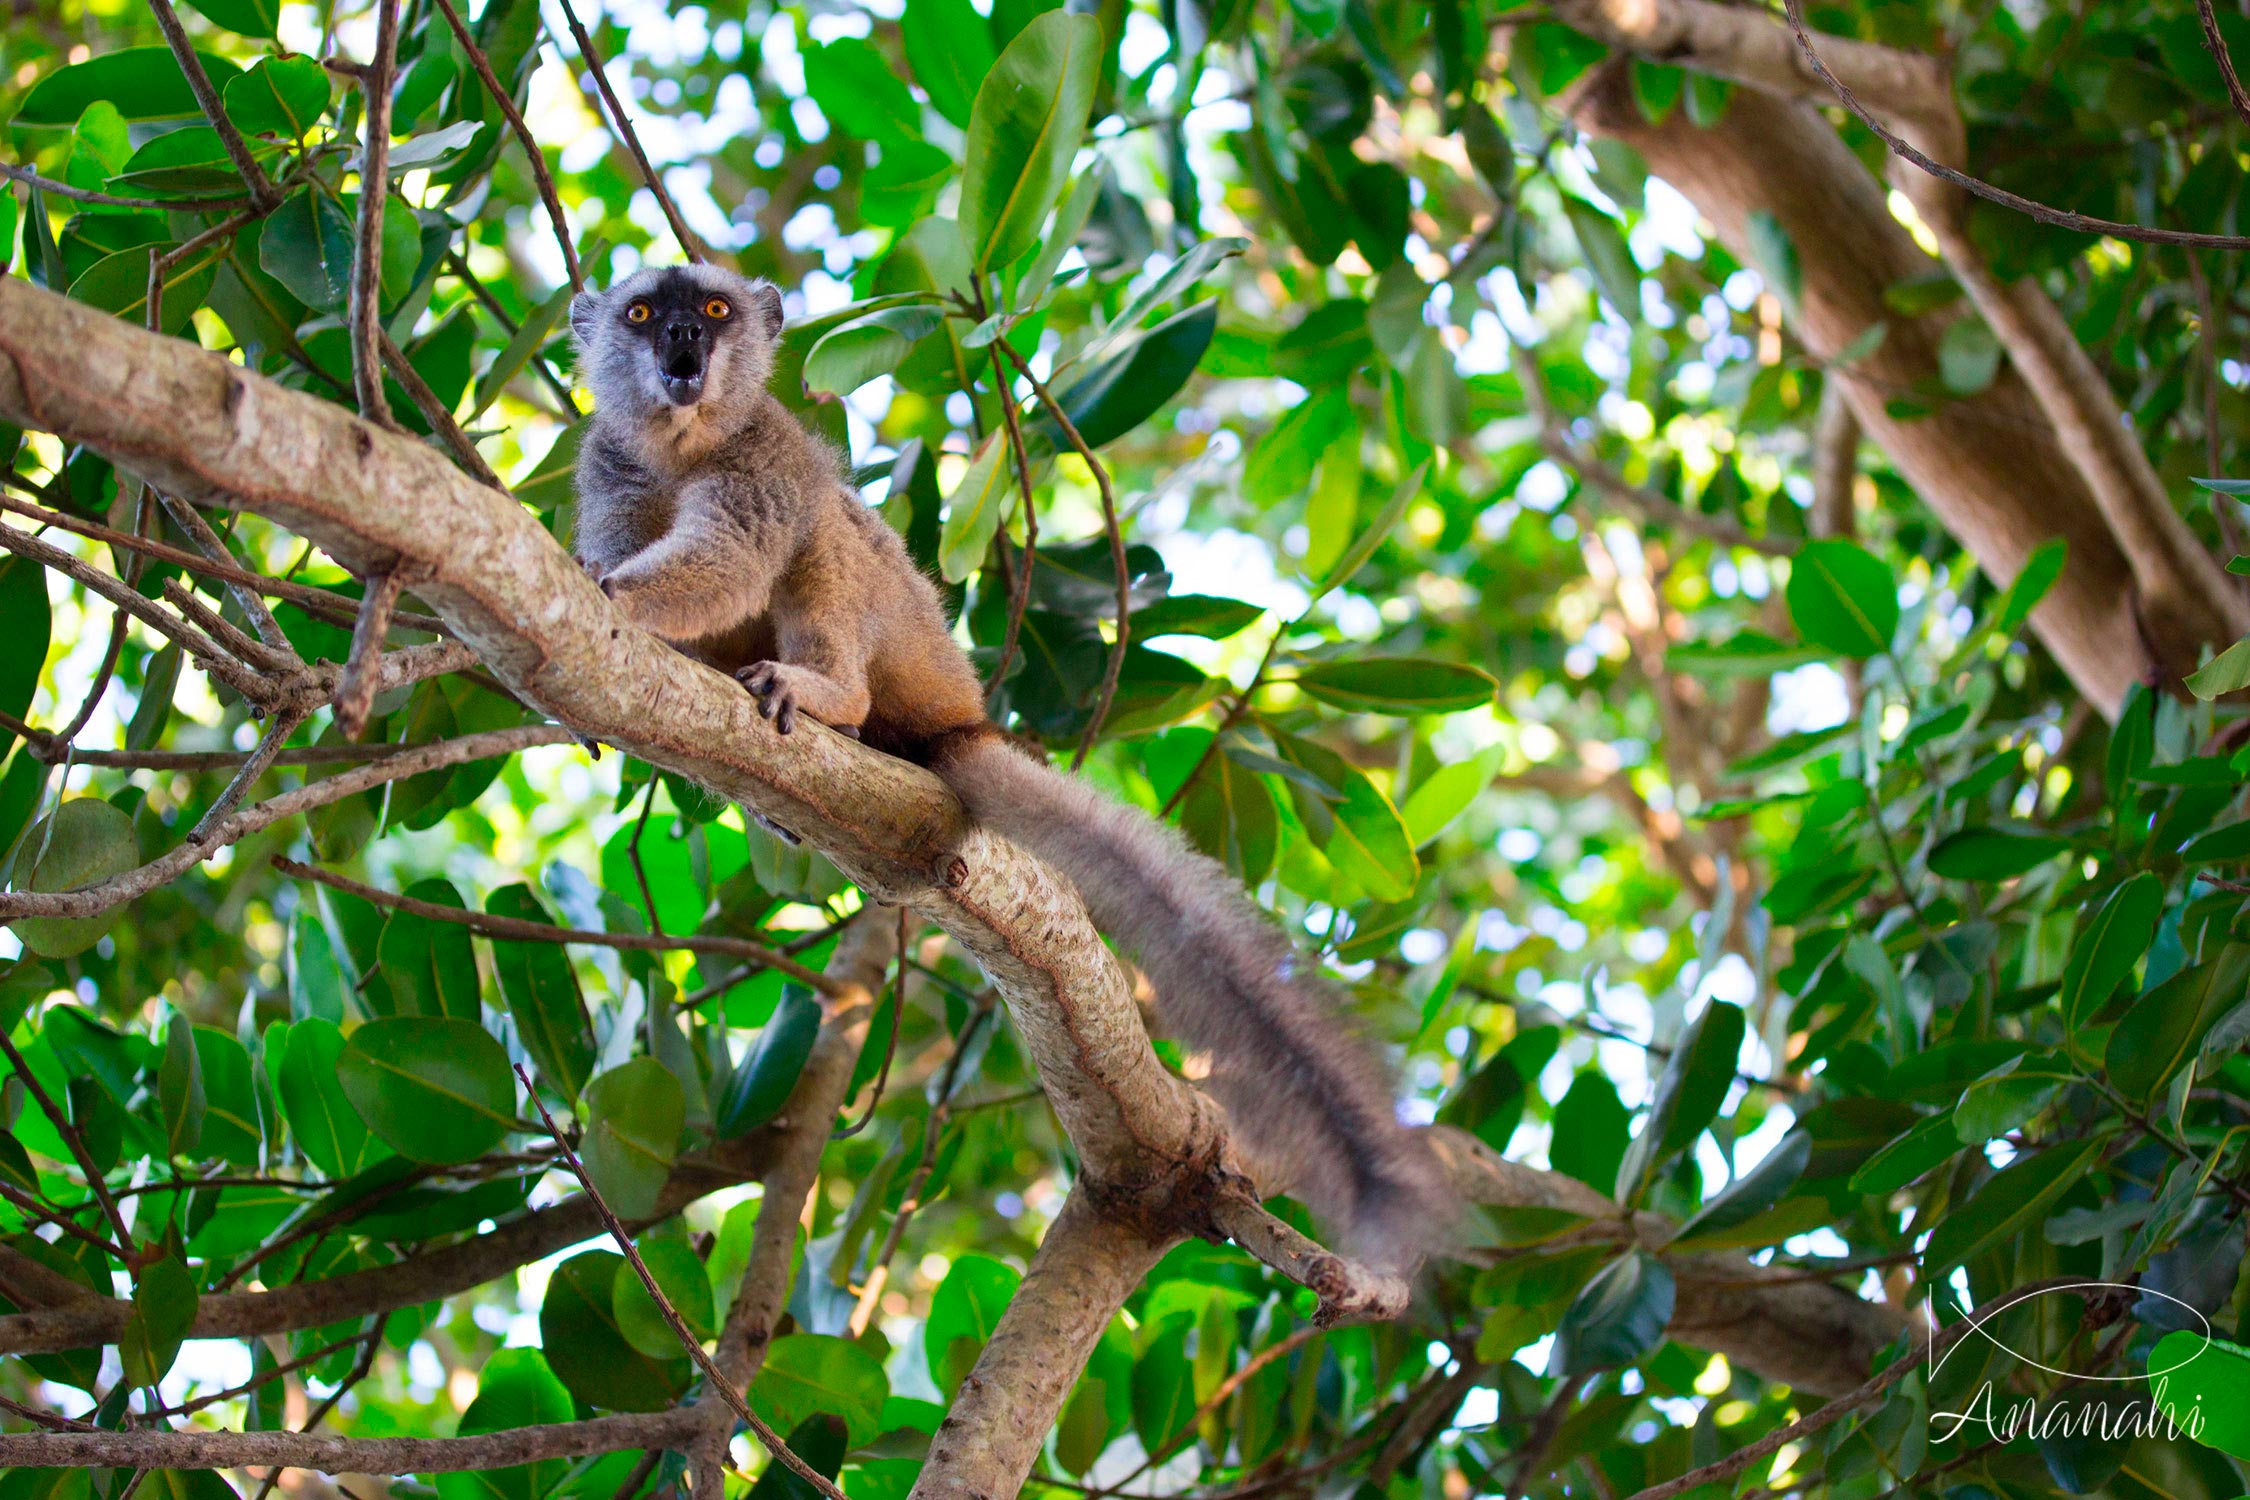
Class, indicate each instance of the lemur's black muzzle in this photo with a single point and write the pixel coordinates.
(682, 355)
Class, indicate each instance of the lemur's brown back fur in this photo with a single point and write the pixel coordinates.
(711, 517)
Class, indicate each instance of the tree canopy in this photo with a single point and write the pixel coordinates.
(1684, 550)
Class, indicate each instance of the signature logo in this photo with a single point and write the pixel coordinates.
(2102, 1415)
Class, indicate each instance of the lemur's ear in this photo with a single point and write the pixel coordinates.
(766, 299)
(584, 309)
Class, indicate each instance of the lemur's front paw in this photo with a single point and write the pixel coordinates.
(591, 568)
(770, 683)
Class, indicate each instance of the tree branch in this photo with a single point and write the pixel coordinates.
(517, 929)
(263, 196)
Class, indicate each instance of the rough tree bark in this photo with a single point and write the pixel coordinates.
(1152, 1154)
(2045, 450)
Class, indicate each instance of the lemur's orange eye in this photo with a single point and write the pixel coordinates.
(717, 308)
(638, 312)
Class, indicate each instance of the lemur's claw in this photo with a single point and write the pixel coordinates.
(848, 731)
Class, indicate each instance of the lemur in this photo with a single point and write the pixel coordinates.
(711, 518)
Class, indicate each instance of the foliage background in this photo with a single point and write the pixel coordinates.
(1766, 782)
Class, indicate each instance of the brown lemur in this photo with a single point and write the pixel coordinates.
(713, 519)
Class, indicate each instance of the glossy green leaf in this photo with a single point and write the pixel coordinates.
(764, 1081)
(306, 245)
(1751, 1194)
(1398, 685)
(635, 1113)
(1688, 1094)
(435, 1088)
(164, 1303)
(24, 620)
(2109, 942)
(1130, 386)
(431, 965)
(808, 1373)
(685, 1284)
(1617, 1317)
(963, 1312)
(144, 83)
(1842, 598)
(973, 510)
(2160, 1033)
(86, 841)
(1024, 130)
(2012, 1203)
(321, 1119)
(1992, 854)
(515, 1388)
(540, 989)
(579, 1334)
(848, 357)
(2038, 575)
(180, 1088)
(282, 96)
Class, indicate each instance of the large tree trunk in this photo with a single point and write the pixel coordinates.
(1994, 467)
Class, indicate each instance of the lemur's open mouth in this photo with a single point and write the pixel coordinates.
(683, 377)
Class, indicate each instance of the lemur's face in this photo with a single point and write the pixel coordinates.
(677, 337)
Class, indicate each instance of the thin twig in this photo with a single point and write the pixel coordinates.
(366, 310)
(110, 200)
(76, 1231)
(692, 247)
(355, 690)
(1019, 587)
(539, 172)
(359, 1372)
(434, 412)
(720, 1385)
(1070, 431)
(263, 196)
(326, 603)
(243, 588)
(1233, 717)
(516, 929)
(468, 278)
(2218, 46)
(71, 1139)
(2060, 218)
(633, 854)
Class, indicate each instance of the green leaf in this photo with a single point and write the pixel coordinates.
(963, 1312)
(634, 1117)
(1201, 259)
(281, 96)
(1968, 356)
(1615, 1318)
(1752, 1193)
(1688, 1095)
(685, 1284)
(515, 1388)
(2227, 672)
(431, 965)
(164, 1302)
(306, 245)
(763, 1083)
(87, 841)
(527, 340)
(809, 1373)
(857, 90)
(435, 1088)
(847, 358)
(1163, 1390)
(1024, 130)
(1928, 1145)
(1210, 616)
(1616, 274)
(2011, 1203)
(1398, 685)
(973, 510)
(1370, 845)
(540, 989)
(2110, 940)
(2038, 575)
(180, 1087)
(144, 83)
(25, 623)
(579, 1333)
(1131, 385)
(118, 284)
(1842, 598)
(321, 1119)
(1992, 854)
(1446, 793)
(1363, 546)
(2160, 1033)
(249, 17)
(2201, 1385)
(949, 46)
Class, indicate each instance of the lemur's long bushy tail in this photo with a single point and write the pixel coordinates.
(1302, 1092)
